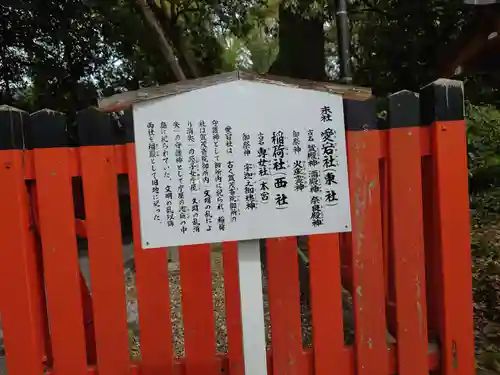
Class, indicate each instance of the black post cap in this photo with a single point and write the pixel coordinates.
(360, 114)
(442, 100)
(47, 128)
(96, 128)
(12, 126)
(404, 110)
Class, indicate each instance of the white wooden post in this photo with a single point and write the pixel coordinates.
(252, 308)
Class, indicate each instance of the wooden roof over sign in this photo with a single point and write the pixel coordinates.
(126, 99)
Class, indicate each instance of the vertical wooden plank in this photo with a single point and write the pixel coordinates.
(233, 308)
(152, 287)
(197, 310)
(19, 284)
(363, 142)
(88, 320)
(442, 105)
(326, 304)
(58, 238)
(284, 306)
(104, 239)
(407, 242)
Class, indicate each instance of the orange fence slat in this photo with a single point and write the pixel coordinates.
(448, 258)
(233, 308)
(326, 304)
(19, 307)
(407, 232)
(454, 261)
(368, 288)
(284, 306)
(197, 310)
(153, 291)
(60, 259)
(408, 250)
(106, 258)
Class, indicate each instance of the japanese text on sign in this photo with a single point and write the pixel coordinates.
(211, 175)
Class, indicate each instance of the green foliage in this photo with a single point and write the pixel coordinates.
(399, 42)
(61, 54)
(257, 49)
(56, 53)
(483, 141)
(483, 136)
(485, 237)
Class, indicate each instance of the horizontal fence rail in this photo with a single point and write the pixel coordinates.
(405, 268)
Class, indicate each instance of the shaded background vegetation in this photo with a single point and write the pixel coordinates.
(63, 54)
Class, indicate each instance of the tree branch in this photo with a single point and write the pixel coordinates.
(183, 11)
(165, 44)
(163, 6)
(372, 8)
(168, 22)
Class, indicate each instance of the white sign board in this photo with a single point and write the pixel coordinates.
(238, 161)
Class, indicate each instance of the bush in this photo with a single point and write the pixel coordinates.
(483, 141)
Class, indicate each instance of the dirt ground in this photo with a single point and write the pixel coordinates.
(219, 310)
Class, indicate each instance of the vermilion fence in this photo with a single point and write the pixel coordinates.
(407, 262)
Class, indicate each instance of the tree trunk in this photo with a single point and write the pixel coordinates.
(301, 44)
